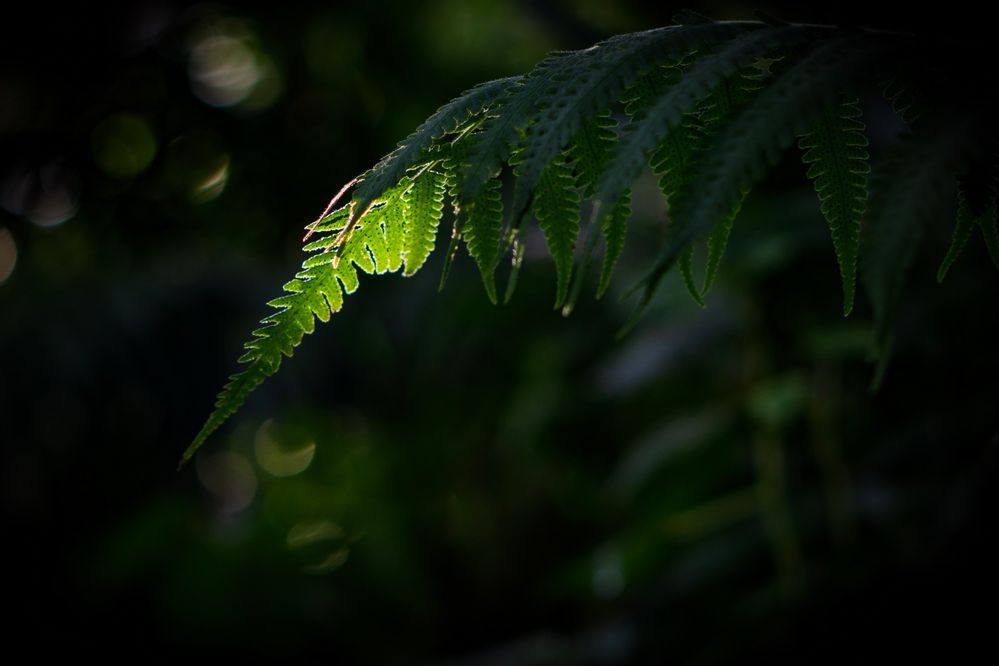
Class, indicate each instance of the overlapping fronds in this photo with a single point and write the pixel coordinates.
(711, 108)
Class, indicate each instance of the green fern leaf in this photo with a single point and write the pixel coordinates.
(556, 205)
(673, 160)
(482, 227)
(614, 228)
(451, 166)
(686, 266)
(836, 149)
(423, 205)
(724, 101)
(316, 292)
(718, 242)
(590, 153)
(694, 115)
(591, 150)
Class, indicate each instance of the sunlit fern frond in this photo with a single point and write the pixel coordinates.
(710, 107)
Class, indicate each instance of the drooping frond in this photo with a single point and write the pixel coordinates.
(556, 204)
(591, 150)
(721, 105)
(685, 263)
(590, 153)
(710, 107)
(836, 150)
(481, 227)
(316, 292)
(423, 205)
(614, 228)
(673, 161)
(451, 166)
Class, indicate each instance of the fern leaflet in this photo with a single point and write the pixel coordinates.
(483, 223)
(557, 206)
(837, 152)
(423, 205)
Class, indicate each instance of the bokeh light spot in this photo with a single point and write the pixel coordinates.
(46, 195)
(227, 67)
(608, 577)
(333, 561)
(277, 455)
(8, 254)
(304, 534)
(197, 167)
(123, 145)
(322, 544)
(213, 184)
(230, 478)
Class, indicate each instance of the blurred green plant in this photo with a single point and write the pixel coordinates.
(710, 106)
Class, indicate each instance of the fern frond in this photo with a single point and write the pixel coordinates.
(316, 292)
(685, 263)
(556, 205)
(481, 228)
(754, 140)
(451, 166)
(836, 149)
(718, 243)
(423, 205)
(590, 151)
(719, 108)
(614, 229)
(703, 109)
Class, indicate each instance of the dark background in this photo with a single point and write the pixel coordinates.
(432, 479)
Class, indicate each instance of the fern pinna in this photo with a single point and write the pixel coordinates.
(711, 107)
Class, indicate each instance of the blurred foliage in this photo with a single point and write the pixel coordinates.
(434, 479)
